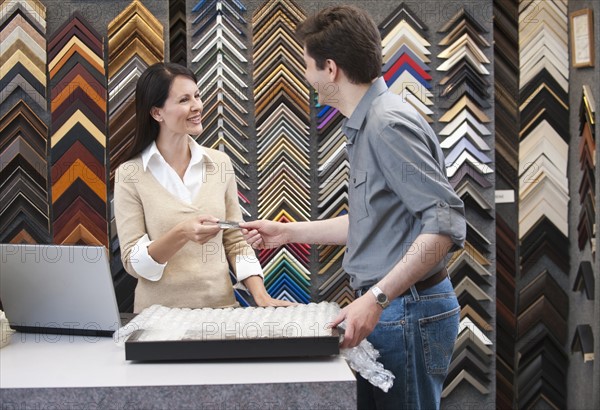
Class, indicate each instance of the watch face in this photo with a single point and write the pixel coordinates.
(381, 298)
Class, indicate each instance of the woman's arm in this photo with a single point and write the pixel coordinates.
(240, 255)
(129, 216)
(260, 295)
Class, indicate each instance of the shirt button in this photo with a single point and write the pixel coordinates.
(442, 204)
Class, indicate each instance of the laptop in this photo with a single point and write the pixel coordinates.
(58, 289)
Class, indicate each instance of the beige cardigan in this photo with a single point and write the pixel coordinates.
(197, 275)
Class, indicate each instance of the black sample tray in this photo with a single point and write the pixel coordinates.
(212, 349)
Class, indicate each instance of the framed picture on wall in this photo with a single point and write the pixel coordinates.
(582, 38)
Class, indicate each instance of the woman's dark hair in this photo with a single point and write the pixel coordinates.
(346, 35)
(152, 90)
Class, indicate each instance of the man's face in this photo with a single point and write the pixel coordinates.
(320, 80)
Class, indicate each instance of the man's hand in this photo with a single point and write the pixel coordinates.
(361, 316)
(264, 234)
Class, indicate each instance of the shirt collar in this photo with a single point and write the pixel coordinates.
(353, 124)
(196, 150)
(198, 153)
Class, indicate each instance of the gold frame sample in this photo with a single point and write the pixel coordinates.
(581, 33)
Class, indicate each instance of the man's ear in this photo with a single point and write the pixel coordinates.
(332, 69)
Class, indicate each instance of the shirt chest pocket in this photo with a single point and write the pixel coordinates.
(358, 198)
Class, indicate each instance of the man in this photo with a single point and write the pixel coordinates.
(404, 216)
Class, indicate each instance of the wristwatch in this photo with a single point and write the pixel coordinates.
(380, 297)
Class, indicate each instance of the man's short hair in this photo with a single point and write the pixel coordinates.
(347, 35)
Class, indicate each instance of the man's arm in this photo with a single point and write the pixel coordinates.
(265, 234)
(425, 253)
(362, 315)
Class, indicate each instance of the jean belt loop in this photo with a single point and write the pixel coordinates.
(414, 293)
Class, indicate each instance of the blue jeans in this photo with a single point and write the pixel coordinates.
(415, 337)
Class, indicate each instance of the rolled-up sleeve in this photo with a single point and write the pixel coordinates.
(413, 168)
(446, 219)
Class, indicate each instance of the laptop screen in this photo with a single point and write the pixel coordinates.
(65, 289)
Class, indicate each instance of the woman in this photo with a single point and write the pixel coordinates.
(168, 197)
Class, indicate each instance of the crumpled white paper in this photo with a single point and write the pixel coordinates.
(363, 359)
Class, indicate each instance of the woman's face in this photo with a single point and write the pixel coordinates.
(182, 111)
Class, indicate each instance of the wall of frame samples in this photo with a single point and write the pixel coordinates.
(495, 79)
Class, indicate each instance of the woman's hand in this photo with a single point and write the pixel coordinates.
(265, 234)
(200, 229)
(267, 300)
(256, 286)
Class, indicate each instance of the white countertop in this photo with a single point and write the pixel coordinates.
(55, 361)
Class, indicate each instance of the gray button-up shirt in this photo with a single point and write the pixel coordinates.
(398, 187)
